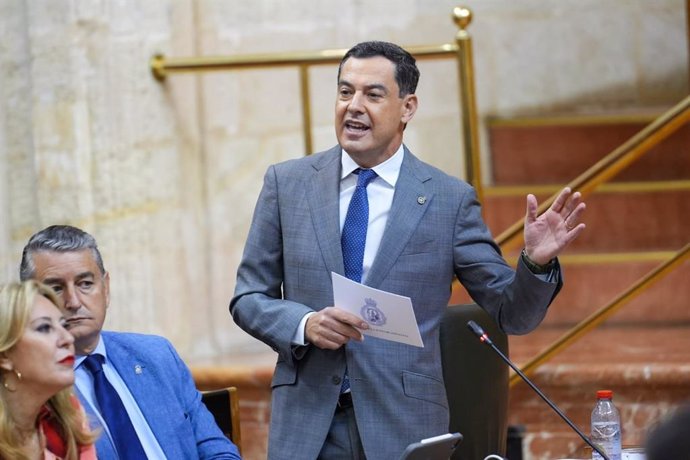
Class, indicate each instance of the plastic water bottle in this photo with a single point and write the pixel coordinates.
(606, 426)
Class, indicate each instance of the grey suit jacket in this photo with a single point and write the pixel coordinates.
(292, 247)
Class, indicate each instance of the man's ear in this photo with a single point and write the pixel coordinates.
(409, 108)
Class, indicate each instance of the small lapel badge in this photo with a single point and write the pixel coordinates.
(421, 199)
(137, 369)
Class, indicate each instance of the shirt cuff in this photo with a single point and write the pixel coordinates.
(298, 338)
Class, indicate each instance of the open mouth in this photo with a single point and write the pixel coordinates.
(356, 126)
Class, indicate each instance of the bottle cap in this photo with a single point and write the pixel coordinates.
(604, 394)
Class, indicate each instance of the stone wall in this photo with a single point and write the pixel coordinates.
(166, 175)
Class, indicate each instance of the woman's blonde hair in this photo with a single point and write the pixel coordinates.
(16, 302)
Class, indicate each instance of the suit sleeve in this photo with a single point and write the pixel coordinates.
(258, 306)
(210, 440)
(517, 300)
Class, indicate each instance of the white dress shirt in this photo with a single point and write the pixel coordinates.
(84, 383)
(380, 193)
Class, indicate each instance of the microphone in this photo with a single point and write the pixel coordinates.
(483, 337)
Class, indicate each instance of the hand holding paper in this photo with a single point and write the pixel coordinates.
(389, 316)
(331, 328)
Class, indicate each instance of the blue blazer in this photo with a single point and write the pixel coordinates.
(167, 396)
(434, 233)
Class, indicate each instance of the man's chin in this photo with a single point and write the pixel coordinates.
(353, 145)
(85, 340)
(357, 150)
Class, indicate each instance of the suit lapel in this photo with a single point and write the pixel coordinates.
(104, 447)
(323, 193)
(141, 382)
(410, 202)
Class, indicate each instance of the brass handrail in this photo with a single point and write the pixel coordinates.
(598, 317)
(162, 66)
(613, 163)
(469, 127)
(306, 107)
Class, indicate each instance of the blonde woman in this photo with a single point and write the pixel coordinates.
(40, 418)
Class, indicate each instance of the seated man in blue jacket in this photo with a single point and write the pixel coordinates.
(134, 387)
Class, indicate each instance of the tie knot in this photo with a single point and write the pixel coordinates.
(94, 363)
(365, 176)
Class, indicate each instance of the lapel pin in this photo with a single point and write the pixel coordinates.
(421, 199)
(137, 369)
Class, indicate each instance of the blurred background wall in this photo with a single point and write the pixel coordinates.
(165, 175)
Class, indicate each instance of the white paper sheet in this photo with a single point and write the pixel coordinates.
(390, 316)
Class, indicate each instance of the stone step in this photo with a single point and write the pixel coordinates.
(558, 148)
(627, 236)
(648, 369)
(618, 220)
(590, 286)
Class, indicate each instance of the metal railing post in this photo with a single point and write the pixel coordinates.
(468, 108)
(306, 108)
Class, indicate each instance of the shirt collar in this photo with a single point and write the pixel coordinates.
(99, 350)
(389, 170)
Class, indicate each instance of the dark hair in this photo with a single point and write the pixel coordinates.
(58, 238)
(670, 439)
(406, 71)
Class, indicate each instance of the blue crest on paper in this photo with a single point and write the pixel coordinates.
(372, 314)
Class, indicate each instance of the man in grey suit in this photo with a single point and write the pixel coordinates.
(156, 395)
(423, 229)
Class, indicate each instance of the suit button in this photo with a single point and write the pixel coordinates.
(336, 380)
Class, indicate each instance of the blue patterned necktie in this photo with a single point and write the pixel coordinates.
(354, 236)
(113, 412)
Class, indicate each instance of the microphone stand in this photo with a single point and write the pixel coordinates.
(483, 337)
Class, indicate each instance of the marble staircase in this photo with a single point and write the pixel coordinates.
(642, 352)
